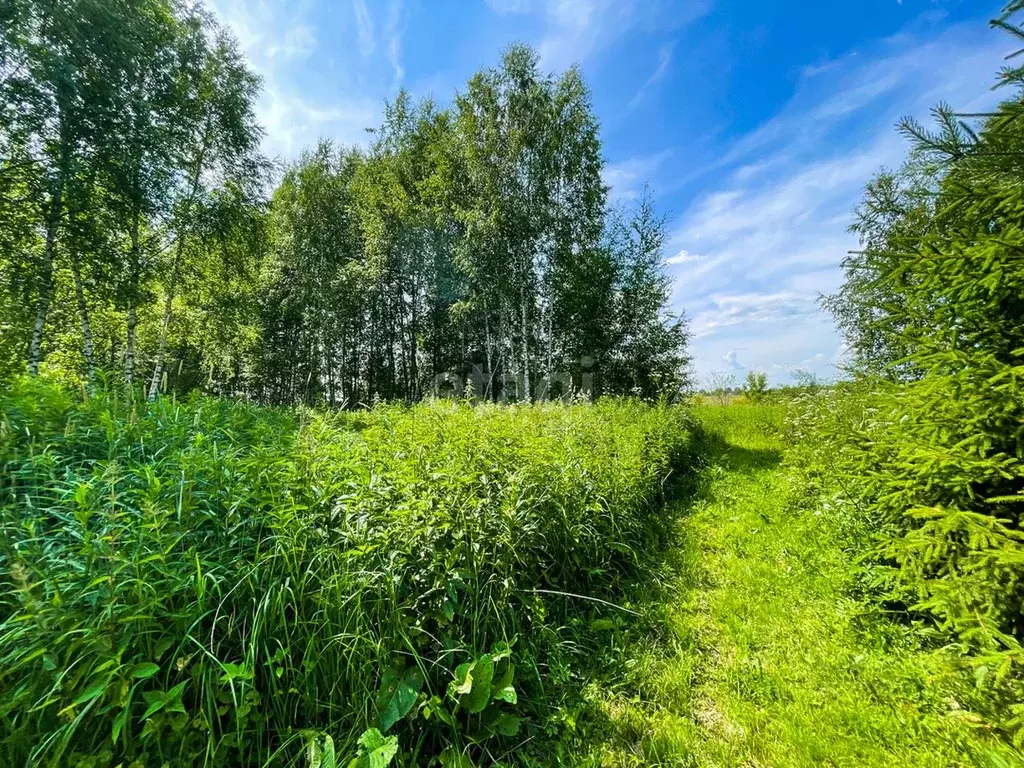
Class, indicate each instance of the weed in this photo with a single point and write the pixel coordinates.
(213, 583)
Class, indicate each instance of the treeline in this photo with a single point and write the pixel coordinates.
(930, 437)
(142, 238)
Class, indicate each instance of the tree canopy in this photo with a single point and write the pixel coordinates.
(145, 239)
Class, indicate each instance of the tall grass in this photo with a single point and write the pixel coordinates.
(212, 583)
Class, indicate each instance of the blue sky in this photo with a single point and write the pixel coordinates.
(757, 123)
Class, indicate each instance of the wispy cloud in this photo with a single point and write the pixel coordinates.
(772, 228)
(395, 31)
(626, 178)
(298, 106)
(574, 31)
(740, 309)
(579, 28)
(293, 123)
(685, 257)
(364, 28)
(664, 63)
(298, 42)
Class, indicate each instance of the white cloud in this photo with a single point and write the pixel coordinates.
(820, 190)
(298, 42)
(685, 257)
(626, 178)
(731, 359)
(903, 76)
(664, 62)
(772, 227)
(574, 31)
(745, 309)
(395, 30)
(293, 123)
(578, 28)
(364, 28)
(298, 105)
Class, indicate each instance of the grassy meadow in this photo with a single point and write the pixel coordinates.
(611, 584)
(214, 583)
(240, 526)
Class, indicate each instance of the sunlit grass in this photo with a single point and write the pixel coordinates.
(769, 653)
(207, 583)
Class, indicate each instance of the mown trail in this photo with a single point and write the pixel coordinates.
(772, 658)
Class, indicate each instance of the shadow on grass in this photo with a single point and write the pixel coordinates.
(617, 660)
(739, 458)
(627, 717)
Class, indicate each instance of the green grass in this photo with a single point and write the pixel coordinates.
(213, 583)
(771, 653)
(618, 584)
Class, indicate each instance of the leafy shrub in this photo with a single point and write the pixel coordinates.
(755, 388)
(933, 469)
(214, 583)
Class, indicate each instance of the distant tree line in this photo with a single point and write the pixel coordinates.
(142, 238)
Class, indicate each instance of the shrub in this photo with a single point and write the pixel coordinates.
(214, 583)
(755, 388)
(935, 299)
(934, 470)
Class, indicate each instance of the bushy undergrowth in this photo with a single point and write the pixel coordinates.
(212, 583)
(932, 472)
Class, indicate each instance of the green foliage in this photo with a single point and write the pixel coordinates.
(936, 300)
(755, 388)
(206, 582)
(764, 646)
(399, 688)
(375, 750)
(647, 355)
(130, 170)
(137, 240)
(472, 241)
(895, 213)
(925, 465)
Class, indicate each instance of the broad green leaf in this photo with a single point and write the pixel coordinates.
(501, 687)
(173, 698)
(145, 670)
(398, 692)
(314, 753)
(177, 690)
(508, 693)
(506, 725)
(371, 739)
(329, 757)
(94, 691)
(480, 693)
(376, 750)
(504, 675)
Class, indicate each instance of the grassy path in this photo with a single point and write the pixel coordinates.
(770, 658)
